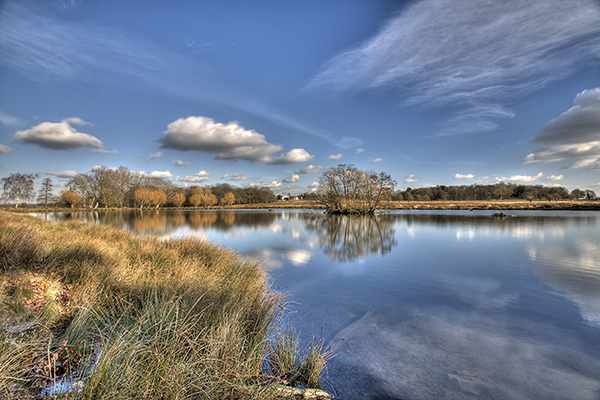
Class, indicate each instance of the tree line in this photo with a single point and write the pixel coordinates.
(499, 191)
(343, 189)
(104, 187)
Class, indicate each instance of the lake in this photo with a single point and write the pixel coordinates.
(424, 305)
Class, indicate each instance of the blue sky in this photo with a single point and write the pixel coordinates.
(270, 93)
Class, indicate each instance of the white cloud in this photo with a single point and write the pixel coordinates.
(292, 157)
(298, 256)
(335, 157)
(154, 156)
(4, 149)
(202, 173)
(192, 179)
(554, 178)
(229, 141)
(377, 160)
(160, 174)
(520, 178)
(58, 135)
(464, 176)
(314, 186)
(358, 151)
(430, 54)
(234, 177)
(272, 184)
(410, 179)
(62, 174)
(575, 134)
(311, 169)
(180, 163)
(292, 179)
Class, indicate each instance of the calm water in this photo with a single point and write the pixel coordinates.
(423, 305)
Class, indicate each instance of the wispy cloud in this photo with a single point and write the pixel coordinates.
(377, 160)
(335, 157)
(474, 57)
(575, 134)
(62, 174)
(36, 42)
(104, 151)
(311, 169)
(235, 177)
(180, 163)
(9, 120)
(192, 179)
(4, 149)
(154, 156)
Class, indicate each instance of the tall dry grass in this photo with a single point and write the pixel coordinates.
(131, 317)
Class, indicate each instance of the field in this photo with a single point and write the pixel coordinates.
(452, 205)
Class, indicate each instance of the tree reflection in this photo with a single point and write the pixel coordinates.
(202, 219)
(178, 219)
(149, 223)
(347, 237)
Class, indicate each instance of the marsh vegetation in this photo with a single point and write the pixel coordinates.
(115, 315)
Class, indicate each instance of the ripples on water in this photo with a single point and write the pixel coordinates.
(423, 305)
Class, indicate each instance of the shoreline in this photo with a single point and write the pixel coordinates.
(498, 205)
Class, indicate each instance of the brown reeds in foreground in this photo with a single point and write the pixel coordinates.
(120, 316)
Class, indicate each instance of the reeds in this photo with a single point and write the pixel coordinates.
(133, 317)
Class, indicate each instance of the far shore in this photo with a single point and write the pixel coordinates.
(513, 204)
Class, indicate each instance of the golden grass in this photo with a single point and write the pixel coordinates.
(132, 317)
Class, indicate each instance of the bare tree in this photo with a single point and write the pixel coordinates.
(347, 190)
(45, 192)
(18, 187)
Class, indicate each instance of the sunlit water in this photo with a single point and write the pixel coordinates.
(425, 305)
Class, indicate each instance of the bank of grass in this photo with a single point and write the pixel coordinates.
(510, 204)
(132, 317)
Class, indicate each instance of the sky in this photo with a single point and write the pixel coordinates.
(271, 93)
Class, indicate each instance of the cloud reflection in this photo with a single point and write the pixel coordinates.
(574, 272)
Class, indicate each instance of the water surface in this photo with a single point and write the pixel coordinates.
(422, 305)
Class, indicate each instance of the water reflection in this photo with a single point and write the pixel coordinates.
(449, 305)
(574, 272)
(346, 238)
